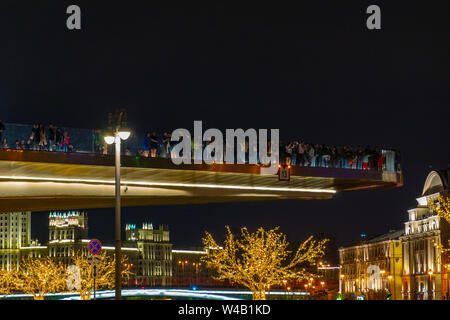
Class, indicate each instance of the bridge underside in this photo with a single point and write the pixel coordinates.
(38, 181)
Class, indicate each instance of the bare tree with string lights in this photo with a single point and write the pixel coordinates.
(39, 277)
(105, 273)
(7, 281)
(441, 207)
(261, 259)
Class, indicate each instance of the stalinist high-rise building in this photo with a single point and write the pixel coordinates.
(68, 233)
(15, 233)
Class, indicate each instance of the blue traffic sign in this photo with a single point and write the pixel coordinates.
(95, 246)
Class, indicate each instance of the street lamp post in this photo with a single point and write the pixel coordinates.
(116, 138)
(390, 287)
(382, 272)
(341, 278)
(430, 292)
(448, 281)
(285, 285)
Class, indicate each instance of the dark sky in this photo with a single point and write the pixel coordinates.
(311, 69)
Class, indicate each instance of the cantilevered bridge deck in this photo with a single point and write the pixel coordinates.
(40, 180)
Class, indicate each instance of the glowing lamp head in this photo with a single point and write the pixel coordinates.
(124, 135)
(109, 139)
(342, 276)
(430, 272)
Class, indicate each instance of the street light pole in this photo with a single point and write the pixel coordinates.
(118, 249)
(116, 138)
(430, 292)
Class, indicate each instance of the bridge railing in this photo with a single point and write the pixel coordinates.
(81, 139)
(91, 141)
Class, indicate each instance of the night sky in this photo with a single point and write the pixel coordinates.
(313, 70)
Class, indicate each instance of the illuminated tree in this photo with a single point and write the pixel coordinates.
(259, 260)
(39, 277)
(7, 281)
(442, 207)
(105, 273)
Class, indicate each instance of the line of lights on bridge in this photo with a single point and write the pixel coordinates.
(166, 184)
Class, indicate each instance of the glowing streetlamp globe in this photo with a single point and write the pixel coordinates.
(109, 139)
(124, 135)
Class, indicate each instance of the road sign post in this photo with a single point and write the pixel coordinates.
(94, 247)
(94, 261)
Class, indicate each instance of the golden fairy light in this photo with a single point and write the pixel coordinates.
(7, 278)
(442, 207)
(105, 273)
(39, 277)
(260, 259)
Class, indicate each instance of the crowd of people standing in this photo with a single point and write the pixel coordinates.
(153, 147)
(40, 138)
(294, 153)
(305, 154)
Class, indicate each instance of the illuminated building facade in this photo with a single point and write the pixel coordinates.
(330, 276)
(15, 229)
(373, 268)
(425, 265)
(154, 259)
(67, 234)
(414, 259)
(15, 239)
(189, 270)
(148, 249)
